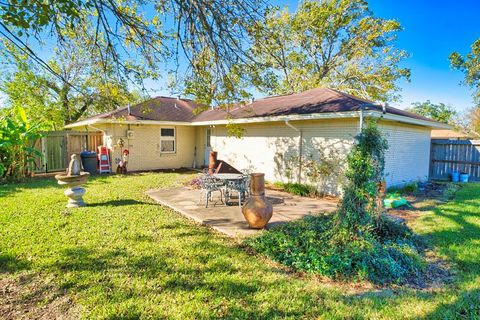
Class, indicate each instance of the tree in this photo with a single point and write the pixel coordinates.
(470, 66)
(336, 43)
(89, 86)
(145, 32)
(439, 112)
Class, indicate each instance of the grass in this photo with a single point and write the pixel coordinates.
(126, 257)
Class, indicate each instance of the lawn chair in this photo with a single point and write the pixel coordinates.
(208, 186)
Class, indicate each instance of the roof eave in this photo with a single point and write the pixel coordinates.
(88, 122)
(292, 117)
(331, 115)
(409, 120)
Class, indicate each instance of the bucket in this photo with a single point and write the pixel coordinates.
(464, 177)
(455, 176)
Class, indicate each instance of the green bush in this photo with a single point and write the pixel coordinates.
(409, 188)
(389, 256)
(304, 190)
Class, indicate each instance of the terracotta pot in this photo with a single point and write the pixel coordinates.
(257, 210)
(212, 161)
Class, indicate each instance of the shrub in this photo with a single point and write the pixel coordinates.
(358, 242)
(303, 190)
(408, 188)
(311, 245)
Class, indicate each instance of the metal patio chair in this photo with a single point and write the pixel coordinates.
(208, 186)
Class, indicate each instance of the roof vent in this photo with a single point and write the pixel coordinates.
(384, 108)
(252, 100)
(129, 111)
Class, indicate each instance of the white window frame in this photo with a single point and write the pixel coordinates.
(168, 138)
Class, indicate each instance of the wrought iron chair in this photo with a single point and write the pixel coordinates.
(240, 186)
(208, 186)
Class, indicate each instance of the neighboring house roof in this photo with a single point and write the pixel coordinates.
(449, 134)
(311, 104)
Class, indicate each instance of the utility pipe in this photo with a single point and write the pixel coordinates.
(300, 145)
(361, 119)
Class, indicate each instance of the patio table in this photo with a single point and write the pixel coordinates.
(228, 176)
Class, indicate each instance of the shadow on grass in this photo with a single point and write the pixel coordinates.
(11, 264)
(30, 183)
(466, 306)
(458, 243)
(119, 202)
(208, 271)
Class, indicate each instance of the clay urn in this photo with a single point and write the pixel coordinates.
(257, 210)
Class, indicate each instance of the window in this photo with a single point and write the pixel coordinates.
(167, 140)
(209, 137)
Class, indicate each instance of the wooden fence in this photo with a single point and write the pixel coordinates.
(58, 146)
(455, 155)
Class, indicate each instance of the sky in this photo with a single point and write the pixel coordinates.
(431, 31)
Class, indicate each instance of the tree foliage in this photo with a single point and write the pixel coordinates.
(127, 34)
(470, 66)
(337, 43)
(440, 112)
(90, 86)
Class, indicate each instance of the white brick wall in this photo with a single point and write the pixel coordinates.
(408, 156)
(266, 147)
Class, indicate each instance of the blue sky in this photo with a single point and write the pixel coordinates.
(432, 30)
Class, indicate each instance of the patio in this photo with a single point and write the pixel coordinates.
(229, 219)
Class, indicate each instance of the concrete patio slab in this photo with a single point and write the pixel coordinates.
(229, 219)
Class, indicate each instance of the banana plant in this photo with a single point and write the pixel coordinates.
(17, 136)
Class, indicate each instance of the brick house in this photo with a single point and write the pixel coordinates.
(167, 132)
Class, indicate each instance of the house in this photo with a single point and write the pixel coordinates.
(451, 135)
(279, 133)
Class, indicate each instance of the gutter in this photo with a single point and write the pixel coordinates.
(300, 147)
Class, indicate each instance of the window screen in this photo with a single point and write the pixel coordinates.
(167, 140)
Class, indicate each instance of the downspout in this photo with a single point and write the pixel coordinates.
(300, 145)
(360, 126)
(98, 129)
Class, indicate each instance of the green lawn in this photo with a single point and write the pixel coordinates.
(124, 256)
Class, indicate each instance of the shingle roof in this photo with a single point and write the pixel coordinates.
(320, 100)
(158, 109)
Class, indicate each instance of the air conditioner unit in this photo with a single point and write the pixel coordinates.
(130, 134)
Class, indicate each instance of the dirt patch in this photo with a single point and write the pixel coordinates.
(437, 271)
(421, 201)
(34, 297)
